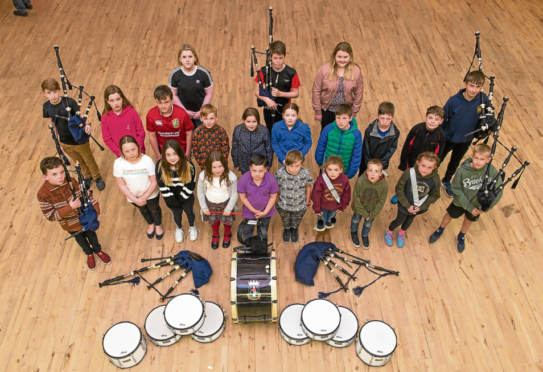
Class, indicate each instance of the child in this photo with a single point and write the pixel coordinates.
(250, 138)
(168, 121)
(120, 119)
(331, 193)
(56, 105)
(428, 136)
(342, 138)
(381, 138)
(467, 181)
(218, 193)
(191, 84)
(57, 204)
(285, 84)
(423, 177)
(176, 179)
(290, 134)
(370, 193)
(135, 174)
(209, 137)
(294, 183)
(462, 113)
(258, 192)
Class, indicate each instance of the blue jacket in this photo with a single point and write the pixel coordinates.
(462, 116)
(283, 140)
(326, 148)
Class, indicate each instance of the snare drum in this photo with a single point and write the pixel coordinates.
(348, 328)
(214, 324)
(320, 320)
(376, 343)
(289, 325)
(124, 344)
(157, 330)
(185, 314)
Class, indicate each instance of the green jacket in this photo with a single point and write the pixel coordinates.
(369, 198)
(467, 181)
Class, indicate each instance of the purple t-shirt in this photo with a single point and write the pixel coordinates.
(259, 195)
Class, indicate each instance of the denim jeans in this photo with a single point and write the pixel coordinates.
(328, 215)
(366, 227)
(20, 5)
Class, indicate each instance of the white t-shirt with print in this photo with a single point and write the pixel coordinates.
(136, 175)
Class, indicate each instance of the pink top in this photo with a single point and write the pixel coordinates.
(115, 127)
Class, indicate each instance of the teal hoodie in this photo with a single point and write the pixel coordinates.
(467, 181)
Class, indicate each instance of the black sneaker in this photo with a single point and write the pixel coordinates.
(294, 236)
(286, 236)
(354, 239)
(435, 236)
(88, 182)
(460, 243)
(365, 242)
(29, 6)
(447, 188)
(23, 14)
(100, 184)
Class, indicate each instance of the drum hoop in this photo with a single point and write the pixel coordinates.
(191, 326)
(128, 354)
(357, 324)
(222, 324)
(281, 328)
(370, 353)
(233, 287)
(273, 284)
(313, 332)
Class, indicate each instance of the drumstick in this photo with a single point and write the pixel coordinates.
(335, 276)
(163, 276)
(383, 269)
(174, 284)
(121, 277)
(330, 254)
(342, 270)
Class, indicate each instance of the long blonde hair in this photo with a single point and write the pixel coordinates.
(183, 167)
(349, 69)
(191, 48)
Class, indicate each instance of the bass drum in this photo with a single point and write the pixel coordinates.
(253, 288)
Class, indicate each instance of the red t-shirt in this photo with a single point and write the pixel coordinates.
(174, 126)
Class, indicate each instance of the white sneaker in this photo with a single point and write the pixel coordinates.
(193, 233)
(179, 235)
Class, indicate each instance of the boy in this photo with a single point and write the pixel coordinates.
(467, 181)
(294, 183)
(285, 84)
(168, 121)
(462, 113)
(57, 204)
(342, 138)
(369, 196)
(67, 107)
(209, 137)
(331, 193)
(380, 138)
(257, 190)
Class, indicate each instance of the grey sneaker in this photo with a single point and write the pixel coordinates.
(460, 243)
(448, 189)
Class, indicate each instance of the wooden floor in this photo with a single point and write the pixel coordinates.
(477, 311)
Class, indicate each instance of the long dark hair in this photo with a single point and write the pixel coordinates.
(217, 156)
(112, 89)
(183, 168)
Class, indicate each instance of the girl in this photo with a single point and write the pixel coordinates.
(425, 180)
(217, 192)
(120, 119)
(135, 174)
(176, 177)
(191, 84)
(250, 138)
(339, 81)
(290, 134)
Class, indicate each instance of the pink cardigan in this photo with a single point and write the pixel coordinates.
(324, 90)
(115, 127)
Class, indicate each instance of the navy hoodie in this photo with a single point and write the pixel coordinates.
(462, 116)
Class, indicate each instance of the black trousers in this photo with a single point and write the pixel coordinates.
(187, 207)
(458, 152)
(272, 117)
(248, 230)
(151, 211)
(403, 220)
(327, 118)
(88, 241)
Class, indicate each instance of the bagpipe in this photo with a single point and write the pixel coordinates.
(76, 123)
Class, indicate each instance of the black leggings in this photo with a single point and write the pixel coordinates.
(186, 206)
(327, 118)
(458, 152)
(151, 211)
(271, 119)
(403, 220)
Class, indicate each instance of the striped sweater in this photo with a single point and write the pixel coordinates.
(53, 201)
(176, 194)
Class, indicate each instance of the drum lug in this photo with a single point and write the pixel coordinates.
(274, 278)
(233, 302)
(232, 279)
(274, 301)
(234, 259)
(274, 258)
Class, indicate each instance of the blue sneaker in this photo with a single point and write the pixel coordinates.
(460, 243)
(448, 189)
(436, 235)
(388, 237)
(394, 199)
(401, 239)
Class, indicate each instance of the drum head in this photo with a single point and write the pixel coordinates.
(214, 320)
(289, 321)
(183, 311)
(321, 317)
(155, 325)
(121, 340)
(378, 338)
(348, 326)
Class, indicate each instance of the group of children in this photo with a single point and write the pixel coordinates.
(177, 134)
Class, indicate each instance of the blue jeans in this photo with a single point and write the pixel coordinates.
(355, 222)
(20, 5)
(327, 215)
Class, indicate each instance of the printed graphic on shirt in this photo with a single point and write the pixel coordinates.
(175, 123)
(422, 188)
(473, 182)
(158, 122)
(369, 196)
(135, 172)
